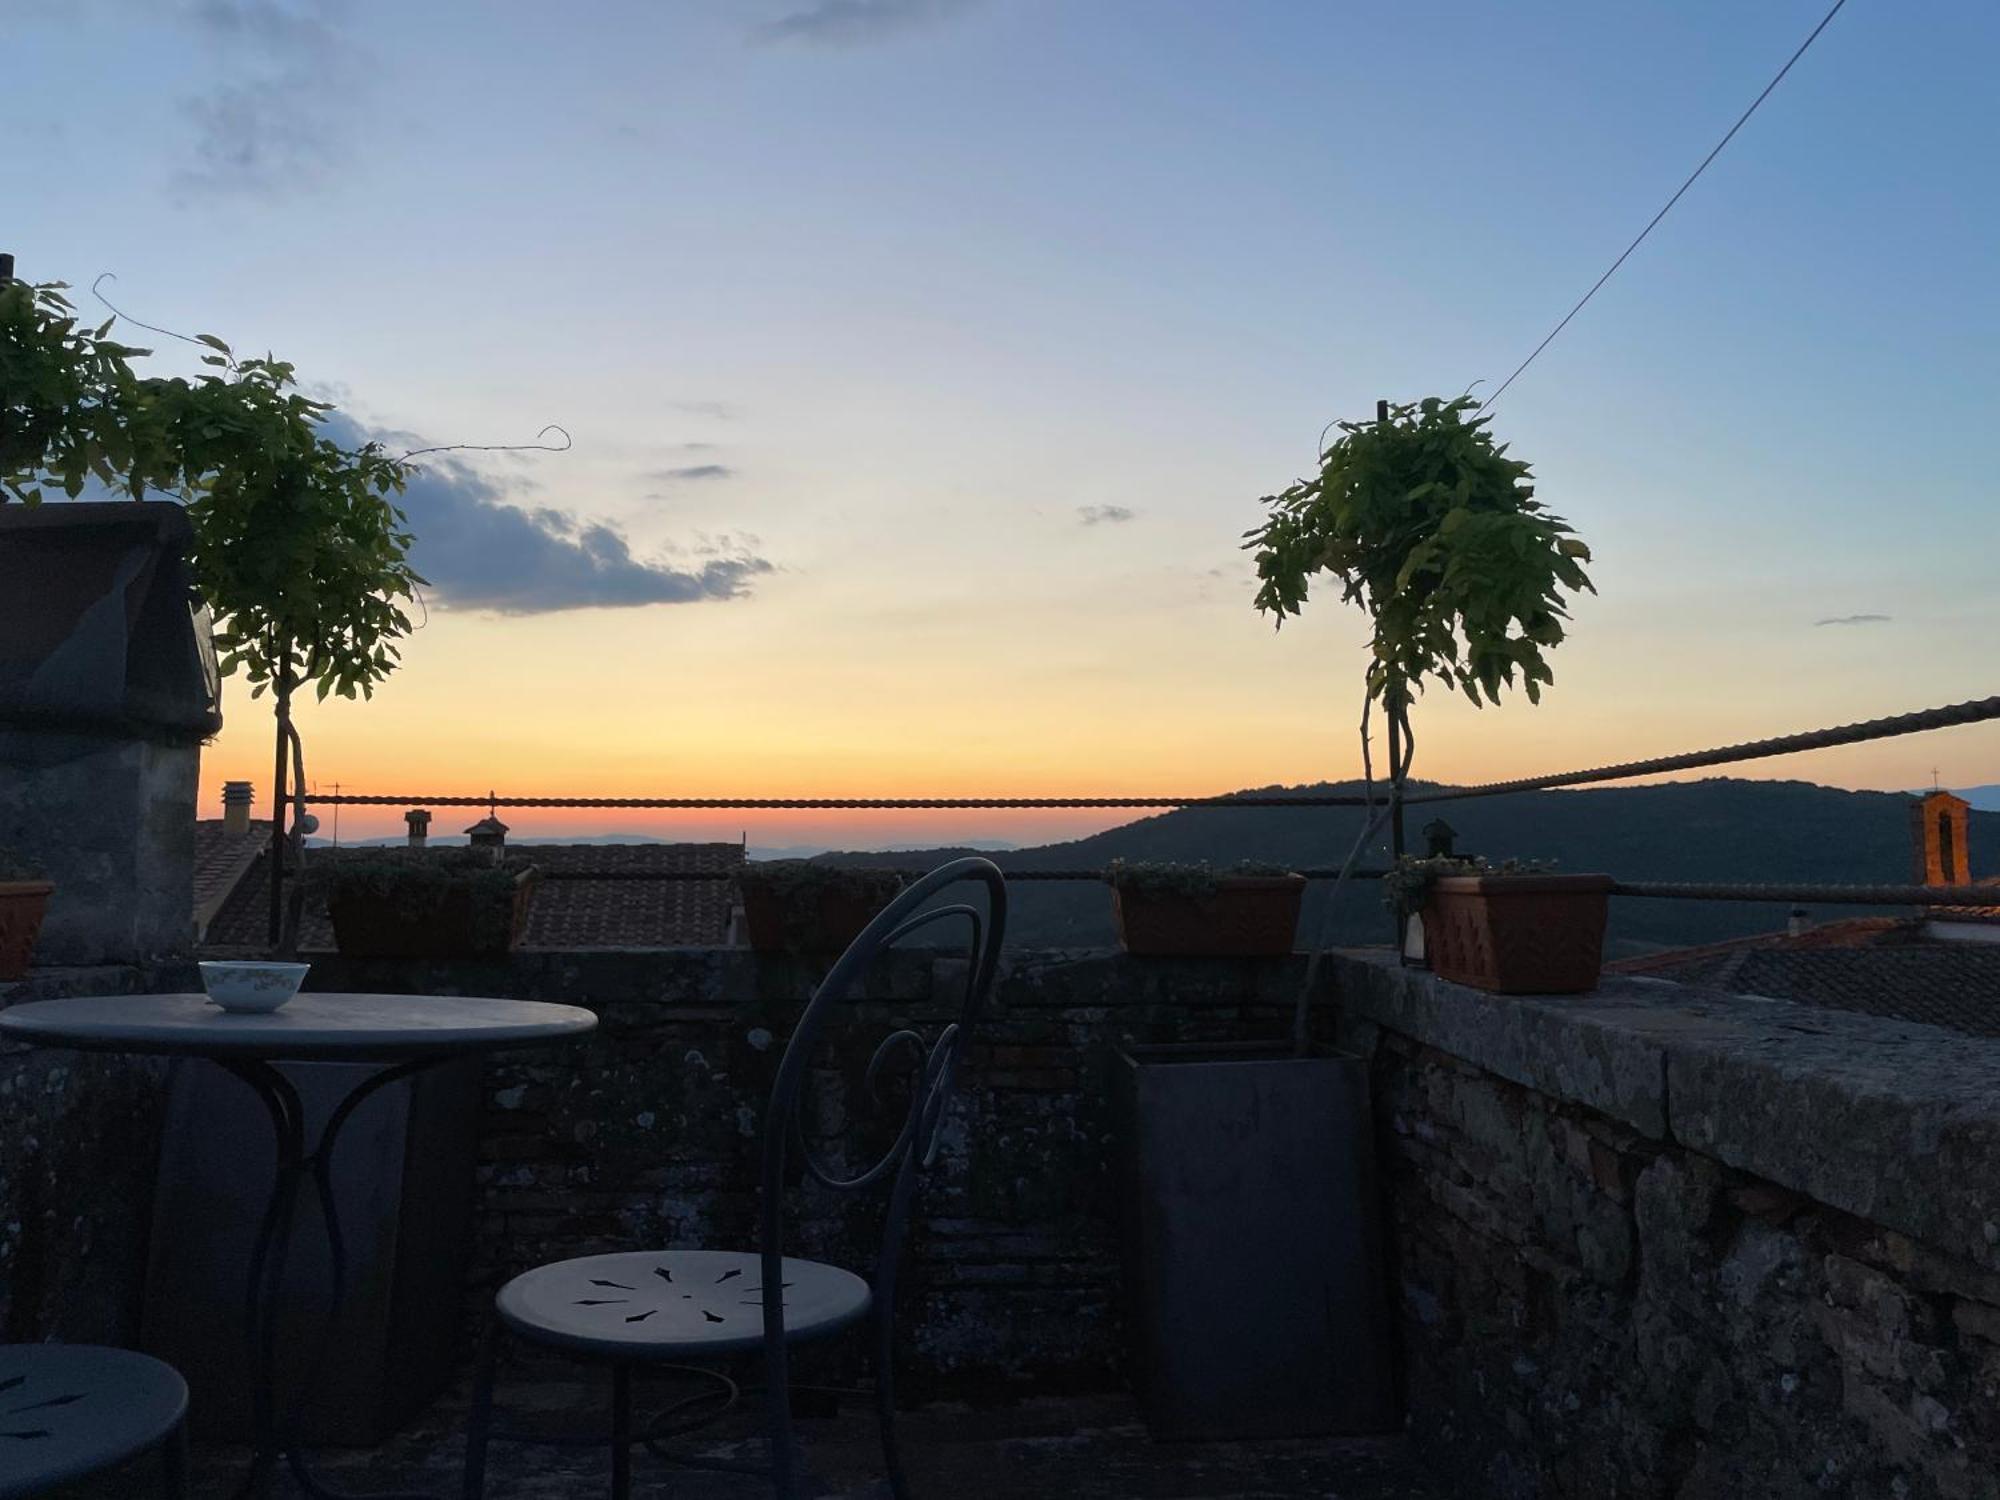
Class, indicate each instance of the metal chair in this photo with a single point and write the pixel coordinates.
(72, 1410)
(689, 1307)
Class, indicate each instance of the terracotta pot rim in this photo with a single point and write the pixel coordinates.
(1222, 883)
(1522, 885)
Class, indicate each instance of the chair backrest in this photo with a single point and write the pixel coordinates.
(933, 1078)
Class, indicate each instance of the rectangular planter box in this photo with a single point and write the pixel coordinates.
(820, 921)
(367, 924)
(1518, 934)
(23, 903)
(1247, 916)
(1253, 1243)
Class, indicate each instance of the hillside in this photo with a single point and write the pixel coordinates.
(1719, 829)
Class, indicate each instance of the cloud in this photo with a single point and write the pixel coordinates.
(289, 77)
(721, 411)
(1105, 515)
(481, 551)
(856, 23)
(692, 471)
(1854, 620)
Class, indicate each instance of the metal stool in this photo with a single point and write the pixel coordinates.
(69, 1410)
(681, 1308)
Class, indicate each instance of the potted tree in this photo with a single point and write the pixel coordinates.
(1428, 525)
(809, 906)
(1252, 1167)
(1247, 910)
(425, 903)
(24, 898)
(300, 550)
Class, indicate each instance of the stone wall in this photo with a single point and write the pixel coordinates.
(1655, 1242)
(111, 822)
(647, 1132)
(79, 1142)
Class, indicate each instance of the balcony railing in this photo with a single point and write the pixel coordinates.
(1974, 711)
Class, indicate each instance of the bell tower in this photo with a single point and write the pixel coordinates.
(1937, 828)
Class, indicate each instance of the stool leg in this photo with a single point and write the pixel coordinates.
(621, 1432)
(174, 1464)
(479, 1422)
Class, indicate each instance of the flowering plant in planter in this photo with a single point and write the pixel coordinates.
(810, 906)
(1242, 909)
(24, 900)
(424, 903)
(1515, 928)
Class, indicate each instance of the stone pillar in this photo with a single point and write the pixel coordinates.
(111, 823)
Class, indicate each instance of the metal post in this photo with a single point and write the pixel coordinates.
(6, 266)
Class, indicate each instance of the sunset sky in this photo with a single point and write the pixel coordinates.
(925, 360)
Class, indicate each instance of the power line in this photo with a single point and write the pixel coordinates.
(1741, 121)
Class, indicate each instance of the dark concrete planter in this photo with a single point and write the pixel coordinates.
(23, 903)
(816, 919)
(1247, 916)
(406, 1192)
(369, 923)
(1517, 934)
(1253, 1243)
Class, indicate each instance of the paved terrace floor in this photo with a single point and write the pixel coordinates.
(1081, 1448)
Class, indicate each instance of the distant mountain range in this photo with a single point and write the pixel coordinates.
(1986, 798)
(1722, 829)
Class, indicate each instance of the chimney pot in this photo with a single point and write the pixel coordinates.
(419, 820)
(1799, 922)
(236, 799)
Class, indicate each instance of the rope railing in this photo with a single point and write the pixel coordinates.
(1984, 897)
(1975, 711)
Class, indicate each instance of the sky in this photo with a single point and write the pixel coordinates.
(925, 360)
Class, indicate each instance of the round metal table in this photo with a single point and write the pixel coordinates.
(404, 1033)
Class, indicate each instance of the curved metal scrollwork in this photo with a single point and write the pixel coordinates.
(933, 1074)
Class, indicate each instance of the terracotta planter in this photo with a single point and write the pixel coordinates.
(371, 923)
(1517, 934)
(1246, 916)
(22, 906)
(809, 919)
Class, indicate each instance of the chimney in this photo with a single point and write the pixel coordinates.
(419, 820)
(490, 834)
(1799, 923)
(236, 799)
(1937, 826)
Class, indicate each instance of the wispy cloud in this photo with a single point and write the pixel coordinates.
(480, 550)
(689, 472)
(721, 411)
(856, 23)
(288, 76)
(1105, 515)
(1854, 620)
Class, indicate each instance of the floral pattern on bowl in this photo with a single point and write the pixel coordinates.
(251, 988)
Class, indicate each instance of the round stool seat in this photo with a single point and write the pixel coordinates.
(67, 1410)
(674, 1303)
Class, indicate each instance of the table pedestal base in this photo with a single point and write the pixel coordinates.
(298, 1162)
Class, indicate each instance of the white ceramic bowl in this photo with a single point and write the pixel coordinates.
(251, 987)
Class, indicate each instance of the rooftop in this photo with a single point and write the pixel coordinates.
(570, 909)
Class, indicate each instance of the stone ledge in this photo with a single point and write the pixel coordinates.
(1895, 1123)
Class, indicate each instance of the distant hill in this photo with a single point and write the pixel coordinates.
(1722, 829)
(1986, 798)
